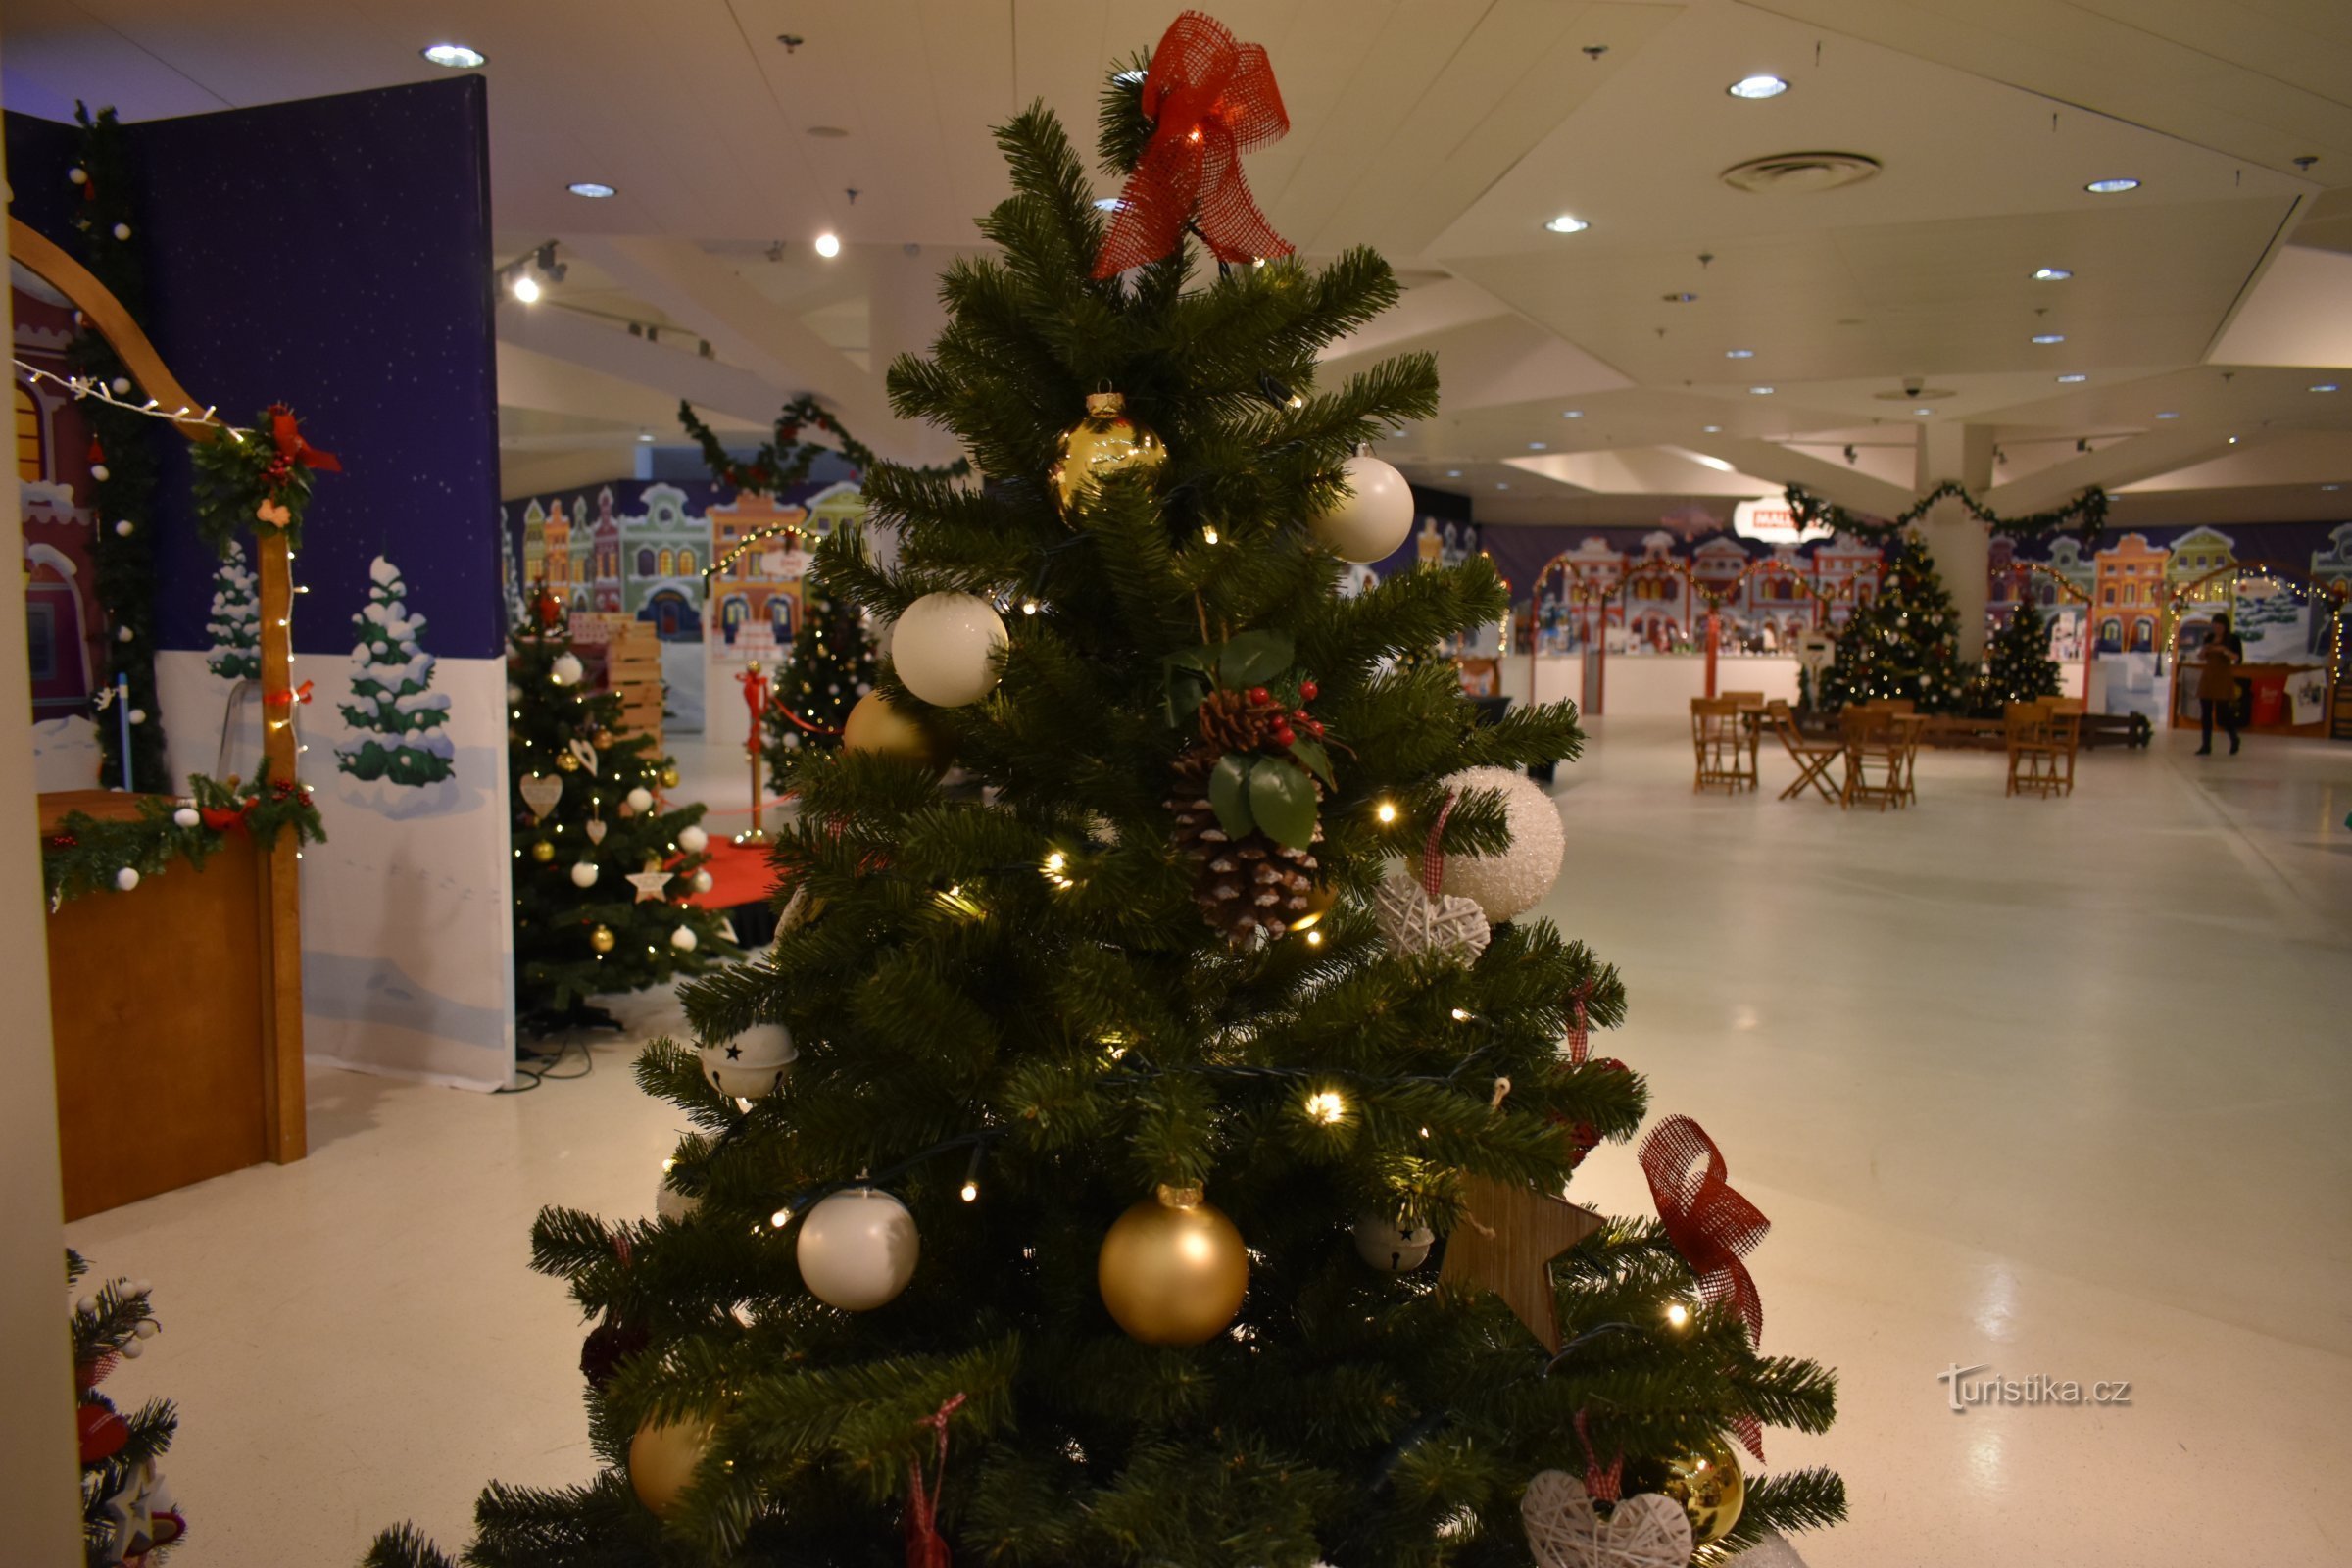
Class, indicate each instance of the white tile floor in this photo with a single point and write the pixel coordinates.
(2054, 1086)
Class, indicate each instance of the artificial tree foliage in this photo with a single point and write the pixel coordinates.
(831, 666)
(1903, 645)
(2017, 666)
(558, 731)
(1011, 994)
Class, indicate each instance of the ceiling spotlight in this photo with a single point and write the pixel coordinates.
(1738, 353)
(1712, 430)
(2110, 188)
(526, 287)
(2049, 337)
(596, 190)
(2233, 440)
(2169, 413)
(1922, 412)
(1683, 297)
(2052, 275)
(1757, 88)
(828, 245)
(1572, 414)
(2325, 386)
(1566, 224)
(1761, 391)
(2072, 377)
(645, 438)
(454, 56)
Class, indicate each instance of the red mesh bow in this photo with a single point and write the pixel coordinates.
(1210, 99)
(1712, 1226)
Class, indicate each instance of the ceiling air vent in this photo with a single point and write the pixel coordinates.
(1797, 174)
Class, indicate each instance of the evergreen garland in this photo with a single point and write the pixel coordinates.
(2085, 517)
(831, 667)
(83, 854)
(1904, 644)
(785, 458)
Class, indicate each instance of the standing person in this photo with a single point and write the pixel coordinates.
(2217, 682)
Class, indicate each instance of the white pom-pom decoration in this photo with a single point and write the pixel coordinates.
(945, 648)
(583, 873)
(1515, 881)
(858, 1249)
(753, 1063)
(122, 231)
(639, 799)
(1390, 1248)
(79, 174)
(139, 715)
(127, 879)
(1370, 523)
(122, 528)
(133, 1349)
(101, 472)
(186, 817)
(123, 634)
(566, 670)
(683, 939)
(122, 386)
(692, 840)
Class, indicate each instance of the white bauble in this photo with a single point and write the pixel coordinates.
(566, 670)
(186, 817)
(858, 1249)
(640, 798)
(125, 528)
(753, 1063)
(1389, 1246)
(683, 939)
(583, 873)
(127, 879)
(1369, 524)
(703, 882)
(945, 648)
(692, 840)
(1515, 881)
(674, 1206)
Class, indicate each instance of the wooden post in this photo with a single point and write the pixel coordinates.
(283, 1109)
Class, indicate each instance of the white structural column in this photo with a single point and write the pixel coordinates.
(1962, 547)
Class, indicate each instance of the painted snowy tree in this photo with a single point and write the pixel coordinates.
(399, 716)
(237, 624)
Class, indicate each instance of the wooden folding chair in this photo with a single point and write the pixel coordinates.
(1874, 756)
(1812, 757)
(1718, 740)
(2039, 762)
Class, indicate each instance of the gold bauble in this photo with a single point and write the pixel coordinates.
(600, 739)
(565, 762)
(663, 1458)
(1707, 1482)
(1174, 1269)
(1319, 898)
(873, 725)
(1104, 443)
(542, 851)
(601, 939)
(670, 776)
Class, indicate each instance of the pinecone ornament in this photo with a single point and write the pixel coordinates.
(1243, 886)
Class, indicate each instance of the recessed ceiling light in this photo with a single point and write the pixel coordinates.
(1761, 391)
(2325, 386)
(456, 56)
(2049, 337)
(1717, 464)
(1572, 414)
(1499, 485)
(596, 190)
(2169, 413)
(1681, 297)
(1923, 411)
(1536, 445)
(646, 437)
(1738, 353)
(828, 244)
(2332, 487)
(1757, 88)
(526, 287)
(2110, 188)
(1566, 223)
(1712, 430)
(2052, 275)
(2233, 440)
(1453, 474)
(2072, 377)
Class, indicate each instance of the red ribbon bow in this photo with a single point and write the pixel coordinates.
(926, 1548)
(300, 694)
(293, 447)
(1210, 100)
(1712, 1226)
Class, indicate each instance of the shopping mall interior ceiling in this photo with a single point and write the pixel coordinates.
(1904, 322)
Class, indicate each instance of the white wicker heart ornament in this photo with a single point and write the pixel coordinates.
(1416, 923)
(1565, 1531)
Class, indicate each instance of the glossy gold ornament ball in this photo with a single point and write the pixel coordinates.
(567, 762)
(1104, 443)
(542, 851)
(601, 939)
(663, 1458)
(600, 739)
(670, 776)
(1174, 1269)
(873, 725)
(1707, 1482)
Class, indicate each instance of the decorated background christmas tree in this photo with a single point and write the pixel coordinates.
(831, 667)
(1904, 644)
(2017, 666)
(391, 704)
(1066, 1186)
(602, 866)
(236, 619)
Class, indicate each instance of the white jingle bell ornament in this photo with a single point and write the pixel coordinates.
(945, 648)
(1391, 1247)
(1511, 883)
(858, 1249)
(566, 670)
(583, 873)
(692, 840)
(1371, 521)
(753, 1064)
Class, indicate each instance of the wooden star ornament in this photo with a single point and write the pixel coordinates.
(652, 886)
(1505, 1244)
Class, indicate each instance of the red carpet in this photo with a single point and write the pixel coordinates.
(738, 875)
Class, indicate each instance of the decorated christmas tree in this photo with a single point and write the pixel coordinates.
(831, 667)
(237, 620)
(391, 702)
(127, 1515)
(602, 865)
(1066, 1186)
(2017, 666)
(1903, 645)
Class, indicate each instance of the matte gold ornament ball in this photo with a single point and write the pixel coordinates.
(1174, 1269)
(663, 1458)
(1706, 1482)
(542, 851)
(601, 939)
(1104, 443)
(567, 762)
(873, 725)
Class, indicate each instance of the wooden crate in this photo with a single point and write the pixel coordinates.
(628, 651)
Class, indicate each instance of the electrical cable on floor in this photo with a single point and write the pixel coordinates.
(538, 1068)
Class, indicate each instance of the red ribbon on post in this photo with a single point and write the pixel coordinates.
(1210, 99)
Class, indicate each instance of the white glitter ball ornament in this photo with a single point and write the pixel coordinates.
(1511, 883)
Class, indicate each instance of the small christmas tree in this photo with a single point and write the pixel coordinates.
(128, 1516)
(235, 626)
(1903, 645)
(600, 868)
(832, 665)
(390, 696)
(2017, 666)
